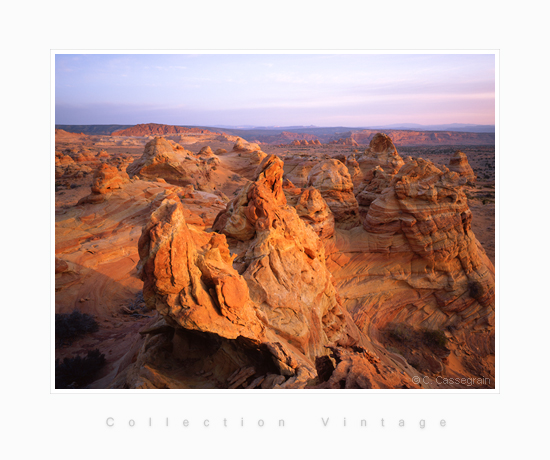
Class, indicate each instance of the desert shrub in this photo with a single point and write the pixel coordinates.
(69, 326)
(400, 332)
(433, 337)
(79, 371)
(394, 350)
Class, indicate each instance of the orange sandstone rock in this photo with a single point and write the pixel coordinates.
(459, 164)
(381, 152)
(332, 179)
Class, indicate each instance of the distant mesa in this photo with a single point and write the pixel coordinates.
(304, 142)
(154, 129)
(402, 137)
(62, 134)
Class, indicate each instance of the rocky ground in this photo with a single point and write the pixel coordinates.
(259, 266)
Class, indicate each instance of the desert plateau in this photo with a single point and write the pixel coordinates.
(191, 257)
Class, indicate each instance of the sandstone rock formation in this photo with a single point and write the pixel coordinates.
(106, 179)
(297, 168)
(426, 212)
(331, 178)
(374, 183)
(274, 318)
(344, 141)
(171, 162)
(354, 169)
(381, 152)
(459, 164)
(243, 146)
(260, 278)
(243, 159)
(160, 160)
(206, 152)
(416, 263)
(313, 210)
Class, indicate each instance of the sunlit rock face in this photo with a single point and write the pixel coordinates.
(459, 164)
(332, 179)
(279, 308)
(381, 152)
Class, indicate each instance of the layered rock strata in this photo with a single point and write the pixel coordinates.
(459, 164)
(332, 179)
(273, 320)
(381, 152)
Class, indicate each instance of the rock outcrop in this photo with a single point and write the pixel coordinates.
(417, 264)
(106, 179)
(459, 164)
(313, 210)
(297, 168)
(243, 159)
(344, 141)
(274, 318)
(354, 169)
(167, 160)
(332, 179)
(243, 146)
(381, 152)
(160, 160)
(374, 183)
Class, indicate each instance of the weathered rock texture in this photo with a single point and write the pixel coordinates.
(106, 179)
(332, 179)
(459, 164)
(243, 159)
(276, 316)
(167, 160)
(374, 183)
(159, 159)
(297, 168)
(417, 263)
(313, 210)
(381, 152)
(344, 141)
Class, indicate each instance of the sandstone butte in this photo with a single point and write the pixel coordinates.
(155, 129)
(315, 285)
(459, 164)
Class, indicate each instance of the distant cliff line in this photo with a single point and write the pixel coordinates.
(399, 137)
